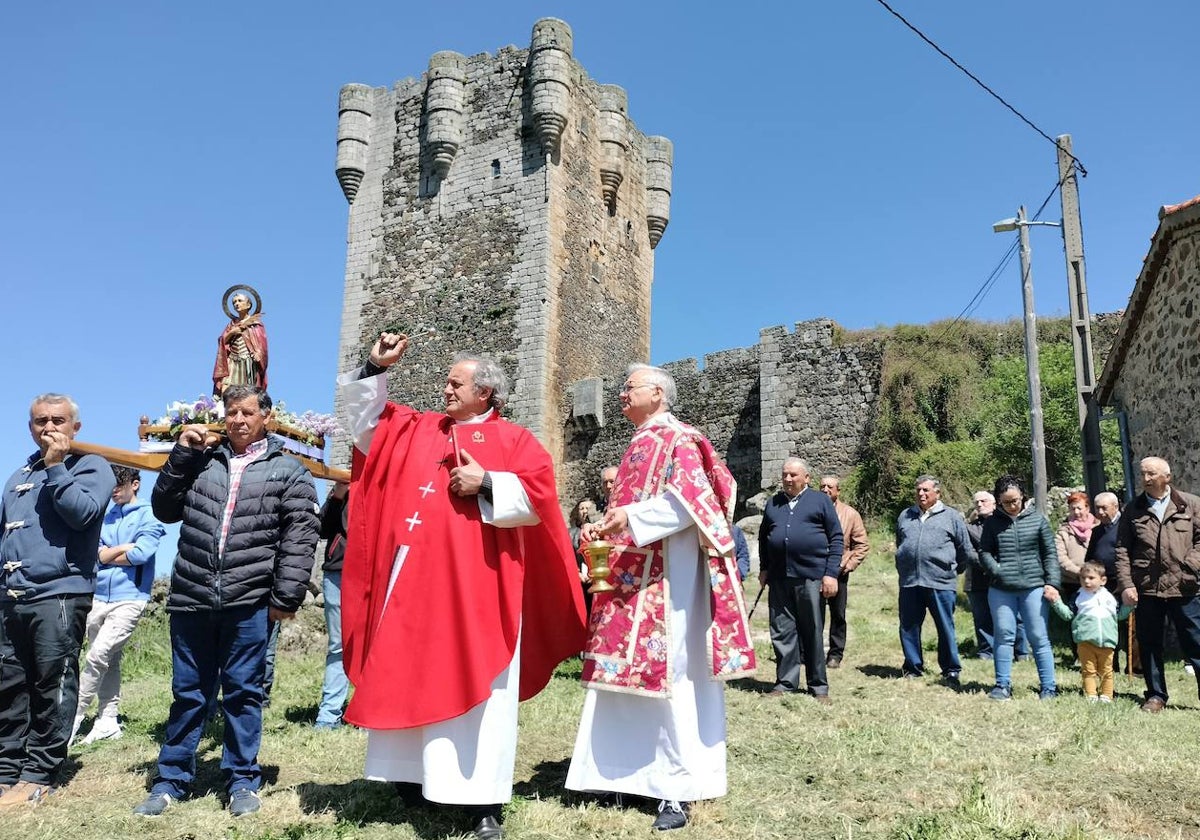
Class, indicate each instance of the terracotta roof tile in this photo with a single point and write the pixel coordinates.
(1168, 209)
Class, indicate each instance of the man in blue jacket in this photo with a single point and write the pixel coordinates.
(128, 541)
(932, 550)
(800, 553)
(51, 510)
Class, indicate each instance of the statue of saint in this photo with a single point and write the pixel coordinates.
(242, 345)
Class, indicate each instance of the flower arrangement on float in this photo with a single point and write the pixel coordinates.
(304, 434)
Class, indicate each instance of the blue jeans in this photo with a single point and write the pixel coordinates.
(914, 601)
(984, 631)
(273, 628)
(1031, 607)
(335, 685)
(229, 647)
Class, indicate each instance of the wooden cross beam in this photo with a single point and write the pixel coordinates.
(153, 461)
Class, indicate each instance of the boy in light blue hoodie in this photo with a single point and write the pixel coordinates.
(1094, 629)
(129, 539)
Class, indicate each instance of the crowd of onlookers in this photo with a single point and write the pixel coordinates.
(1017, 571)
(1093, 572)
(80, 540)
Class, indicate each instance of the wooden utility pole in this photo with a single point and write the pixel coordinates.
(1081, 321)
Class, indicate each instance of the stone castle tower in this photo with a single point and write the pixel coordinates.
(508, 205)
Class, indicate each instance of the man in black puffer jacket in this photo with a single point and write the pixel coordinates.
(246, 550)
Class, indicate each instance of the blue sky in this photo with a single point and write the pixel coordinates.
(826, 161)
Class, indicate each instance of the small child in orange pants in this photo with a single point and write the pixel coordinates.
(1094, 629)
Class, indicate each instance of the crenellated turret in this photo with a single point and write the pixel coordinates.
(614, 105)
(354, 135)
(445, 97)
(660, 159)
(550, 80)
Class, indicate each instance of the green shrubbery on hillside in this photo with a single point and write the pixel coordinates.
(953, 402)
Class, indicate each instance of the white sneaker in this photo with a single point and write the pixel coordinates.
(105, 729)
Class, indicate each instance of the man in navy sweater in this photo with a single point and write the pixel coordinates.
(800, 551)
(52, 509)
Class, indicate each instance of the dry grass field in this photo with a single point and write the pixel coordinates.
(890, 758)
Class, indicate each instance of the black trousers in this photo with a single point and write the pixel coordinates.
(39, 684)
(837, 617)
(797, 633)
(1151, 618)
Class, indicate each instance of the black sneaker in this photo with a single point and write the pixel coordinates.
(154, 804)
(952, 680)
(1001, 693)
(671, 815)
(243, 802)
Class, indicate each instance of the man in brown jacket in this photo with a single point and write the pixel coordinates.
(855, 550)
(1158, 567)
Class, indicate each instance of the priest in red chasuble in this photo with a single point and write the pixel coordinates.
(675, 625)
(460, 587)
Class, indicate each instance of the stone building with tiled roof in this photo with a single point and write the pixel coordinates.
(1152, 374)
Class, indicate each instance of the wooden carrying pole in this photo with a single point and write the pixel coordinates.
(154, 461)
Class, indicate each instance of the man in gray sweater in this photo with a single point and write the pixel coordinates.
(932, 550)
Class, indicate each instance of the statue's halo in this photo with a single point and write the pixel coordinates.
(241, 287)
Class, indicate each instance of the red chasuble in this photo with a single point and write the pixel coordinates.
(465, 589)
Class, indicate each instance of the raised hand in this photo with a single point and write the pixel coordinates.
(55, 446)
(388, 349)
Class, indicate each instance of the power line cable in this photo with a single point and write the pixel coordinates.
(977, 299)
(1076, 162)
(994, 276)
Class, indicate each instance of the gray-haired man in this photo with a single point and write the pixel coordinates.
(52, 510)
(459, 581)
(932, 550)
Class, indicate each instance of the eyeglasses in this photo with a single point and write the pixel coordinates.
(626, 388)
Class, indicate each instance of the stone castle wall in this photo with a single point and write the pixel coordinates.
(794, 393)
(817, 396)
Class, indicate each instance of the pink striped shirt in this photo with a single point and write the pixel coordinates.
(237, 465)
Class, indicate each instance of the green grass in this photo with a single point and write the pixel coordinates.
(890, 759)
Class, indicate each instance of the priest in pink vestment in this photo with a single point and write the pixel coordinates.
(674, 628)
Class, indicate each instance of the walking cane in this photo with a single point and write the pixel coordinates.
(756, 600)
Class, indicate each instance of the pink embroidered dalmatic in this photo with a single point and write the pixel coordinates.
(630, 635)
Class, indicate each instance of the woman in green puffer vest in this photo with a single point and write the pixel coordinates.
(1017, 549)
